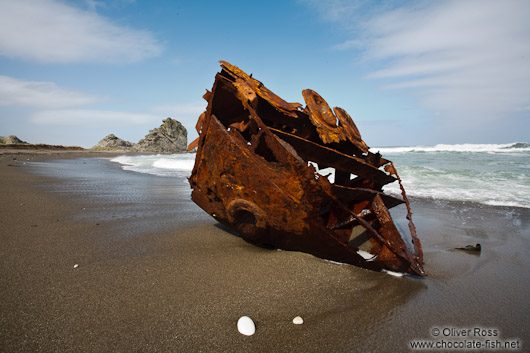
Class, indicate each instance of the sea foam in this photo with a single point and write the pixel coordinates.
(161, 165)
(492, 174)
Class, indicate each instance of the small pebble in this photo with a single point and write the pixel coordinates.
(76, 265)
(298, 320)
(246, 326)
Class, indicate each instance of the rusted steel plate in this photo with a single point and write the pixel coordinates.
(360, 194)
(253, 173)
(349, 129)
(262, 91)
(328, 157)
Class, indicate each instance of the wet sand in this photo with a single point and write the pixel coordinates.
(157, 274)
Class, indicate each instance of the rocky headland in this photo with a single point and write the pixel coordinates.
(170, 137)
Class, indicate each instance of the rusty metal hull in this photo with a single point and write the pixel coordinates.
(255, 173)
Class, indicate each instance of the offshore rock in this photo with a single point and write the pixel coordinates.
(111, 143)
(170, 137)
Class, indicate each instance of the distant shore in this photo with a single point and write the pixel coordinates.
(39, 152)
(39, 146)
(120, 261)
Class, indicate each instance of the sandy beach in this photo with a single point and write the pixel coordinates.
(97, 259)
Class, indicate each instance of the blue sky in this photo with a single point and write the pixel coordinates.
(409, 73)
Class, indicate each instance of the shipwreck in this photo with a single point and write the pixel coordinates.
(256, 171)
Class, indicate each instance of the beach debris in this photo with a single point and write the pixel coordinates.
(298, 320)
(256, 171)
(474, 248)
(246, 326)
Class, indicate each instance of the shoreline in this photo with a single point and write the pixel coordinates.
(182, 285)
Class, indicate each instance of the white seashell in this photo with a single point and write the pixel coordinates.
(76, 265)
(298, 320)
(246, 326)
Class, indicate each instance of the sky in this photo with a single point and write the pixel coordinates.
(408, 72)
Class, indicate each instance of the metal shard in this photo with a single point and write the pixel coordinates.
(255, 173)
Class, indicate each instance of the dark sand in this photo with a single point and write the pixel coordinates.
(156, 274)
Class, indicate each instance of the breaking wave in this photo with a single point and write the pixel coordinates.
(162, 165)
(467, 147)
(492, 174)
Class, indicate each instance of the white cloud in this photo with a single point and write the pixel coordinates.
(466, 59)
(50, 31)
(15, 92)
(91, 118)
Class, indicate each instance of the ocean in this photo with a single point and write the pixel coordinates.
(490, 174)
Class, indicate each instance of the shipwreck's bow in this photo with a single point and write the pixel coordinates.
(255, 172)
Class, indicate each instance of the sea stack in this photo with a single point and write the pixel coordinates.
(170, 137)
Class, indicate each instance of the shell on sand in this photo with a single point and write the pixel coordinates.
(298, 320)
(246, 326)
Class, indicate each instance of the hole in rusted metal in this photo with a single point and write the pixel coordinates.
(244, 217)
(263, 150)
